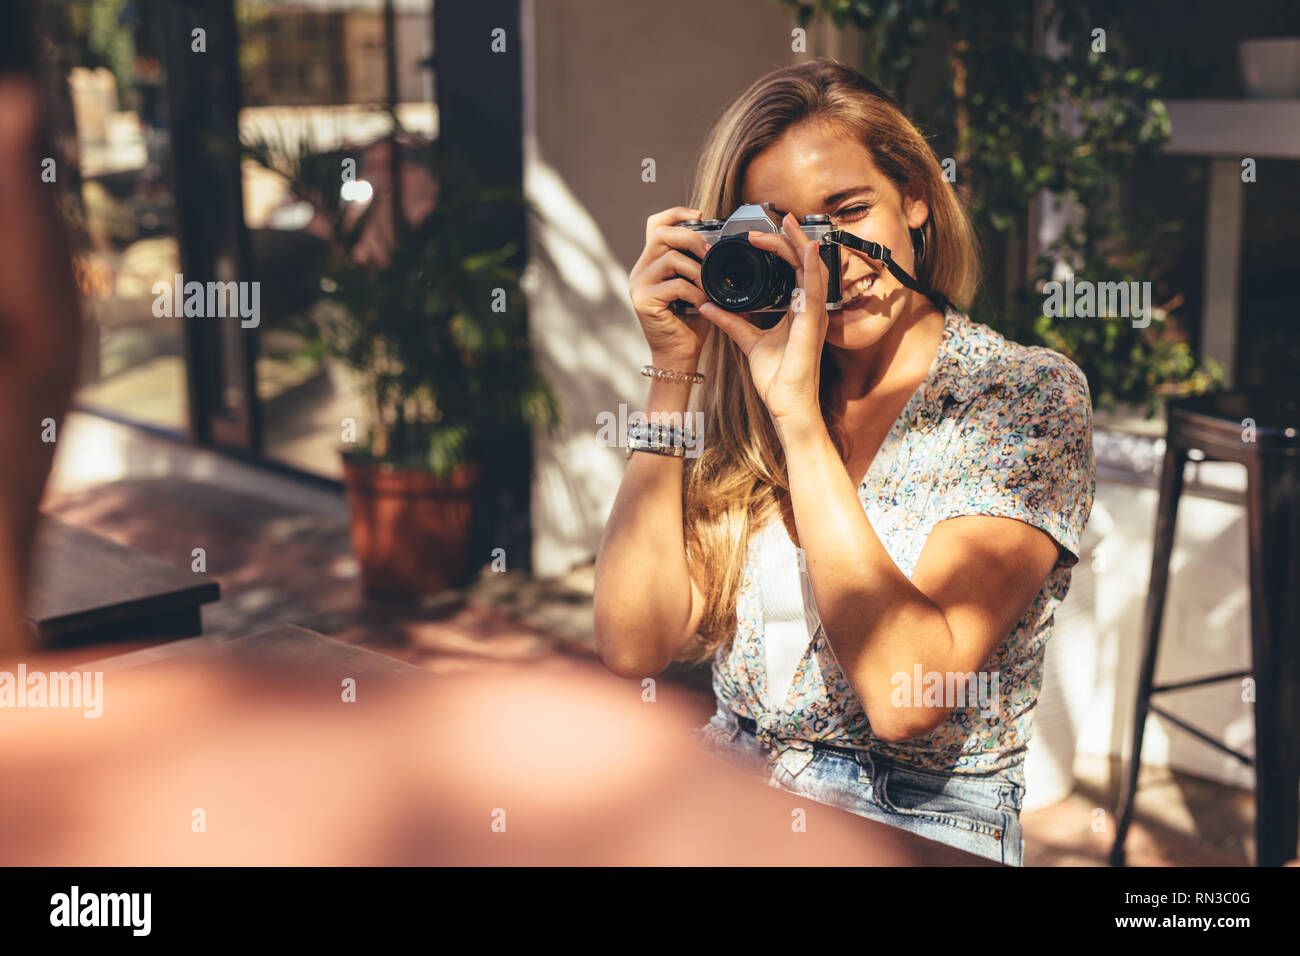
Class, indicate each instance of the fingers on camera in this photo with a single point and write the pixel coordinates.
(678, 288)
(675, 263)
(773, 242)
(677, 237)
(668, 217)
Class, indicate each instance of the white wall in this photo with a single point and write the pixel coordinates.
(1206, 631)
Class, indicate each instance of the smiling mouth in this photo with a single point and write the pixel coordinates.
(858, 291)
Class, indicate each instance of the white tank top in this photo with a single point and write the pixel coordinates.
(790, 616)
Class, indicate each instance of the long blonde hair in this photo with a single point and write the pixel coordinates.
(739, 480)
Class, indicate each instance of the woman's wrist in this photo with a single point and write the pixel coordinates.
(799, 430)
(675, 361)
(667, 399)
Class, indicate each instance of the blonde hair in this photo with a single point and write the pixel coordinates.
(739, 480)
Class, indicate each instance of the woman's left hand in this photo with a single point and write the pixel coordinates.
(785, 360)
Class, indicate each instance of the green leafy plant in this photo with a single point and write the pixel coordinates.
(437, 335)
(309, 161)
(1018, 122)
(101, 32)
(439, 339)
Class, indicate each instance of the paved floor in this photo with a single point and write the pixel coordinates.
(282, 554)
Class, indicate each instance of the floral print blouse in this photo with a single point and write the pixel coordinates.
(996, 428)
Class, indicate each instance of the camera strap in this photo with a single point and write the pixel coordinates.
(875, 250)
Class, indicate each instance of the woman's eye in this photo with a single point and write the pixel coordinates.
(853, 212)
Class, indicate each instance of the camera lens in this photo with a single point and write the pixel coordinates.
(740, 278)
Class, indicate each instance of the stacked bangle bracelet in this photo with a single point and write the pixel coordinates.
(668, 375)
(662, 439)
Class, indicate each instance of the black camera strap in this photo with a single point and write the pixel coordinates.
(875, 250)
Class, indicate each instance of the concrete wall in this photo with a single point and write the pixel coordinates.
(607, 86)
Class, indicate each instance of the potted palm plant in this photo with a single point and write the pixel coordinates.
(438, 340)
(428, 318)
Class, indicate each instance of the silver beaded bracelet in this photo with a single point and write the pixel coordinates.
(669, 375)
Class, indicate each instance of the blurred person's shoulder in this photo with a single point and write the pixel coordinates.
(20, 113)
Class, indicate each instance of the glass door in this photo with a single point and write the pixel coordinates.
(146, 110)
(329, 91)
(112, 118)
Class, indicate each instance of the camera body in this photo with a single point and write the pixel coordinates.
(740, 277)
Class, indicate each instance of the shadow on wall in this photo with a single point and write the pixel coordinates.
(573, 278)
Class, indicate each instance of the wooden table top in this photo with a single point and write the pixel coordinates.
(81, 580)
(308, 653)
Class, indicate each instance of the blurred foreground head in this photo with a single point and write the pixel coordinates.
(40, 337)
(218, 766)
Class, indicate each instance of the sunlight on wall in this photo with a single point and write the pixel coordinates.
(589, 345)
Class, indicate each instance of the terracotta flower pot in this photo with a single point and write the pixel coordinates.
(410, 529)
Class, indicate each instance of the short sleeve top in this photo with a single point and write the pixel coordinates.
(996, 428)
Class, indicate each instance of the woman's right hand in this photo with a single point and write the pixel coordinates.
(664, 274)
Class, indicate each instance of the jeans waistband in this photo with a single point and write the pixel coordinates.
(750, 725)
(874, 757)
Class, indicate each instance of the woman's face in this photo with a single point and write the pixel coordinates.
(819, 168)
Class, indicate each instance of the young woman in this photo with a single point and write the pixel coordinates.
(887, 498)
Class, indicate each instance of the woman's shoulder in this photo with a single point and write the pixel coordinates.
(1026, 375)
(1024, 442)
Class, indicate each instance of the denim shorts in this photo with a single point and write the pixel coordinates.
(980, 815)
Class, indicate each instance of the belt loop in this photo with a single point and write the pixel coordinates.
(1017, 796)
(1007, 797)
(865, 754)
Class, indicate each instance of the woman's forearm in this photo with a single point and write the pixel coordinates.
(877, 622)
(643, 588)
